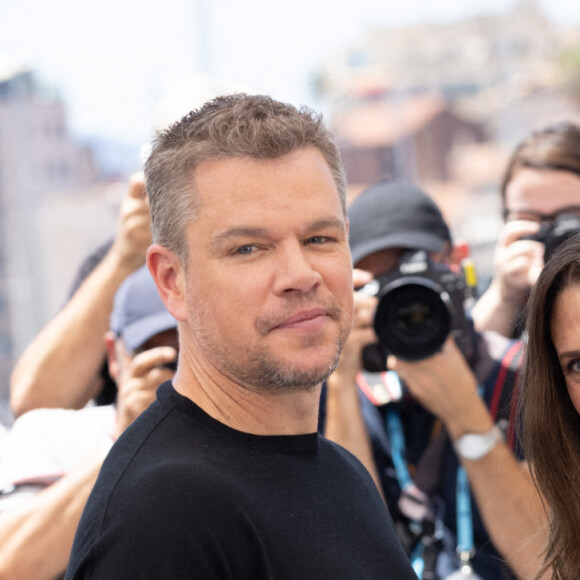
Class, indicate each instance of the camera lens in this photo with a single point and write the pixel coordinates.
(412, 319)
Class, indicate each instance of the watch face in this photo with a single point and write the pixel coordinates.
(477, 445)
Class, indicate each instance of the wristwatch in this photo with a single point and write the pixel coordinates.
(477, 445)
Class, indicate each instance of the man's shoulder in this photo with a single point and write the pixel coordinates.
(172, 476)
(164, 450)
(338, 462)
(333, 452)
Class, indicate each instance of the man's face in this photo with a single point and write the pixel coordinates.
(535, 192)
(269, 281)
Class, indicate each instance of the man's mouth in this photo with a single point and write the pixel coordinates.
(310, 319)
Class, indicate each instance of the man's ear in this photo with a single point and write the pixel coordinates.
(113, 362)
(169, 276)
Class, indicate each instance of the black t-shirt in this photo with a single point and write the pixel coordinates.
(182, 495)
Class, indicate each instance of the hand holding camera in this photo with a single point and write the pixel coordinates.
(555, 232)
(420, 304)
(134, 228)
(445, 384)
(362, 332)
(138, 382)
(518, 261)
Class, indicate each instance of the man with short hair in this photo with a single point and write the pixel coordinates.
(225, 475)
(52, 456)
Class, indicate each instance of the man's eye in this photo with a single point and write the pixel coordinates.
(245, 250)
(318, 239)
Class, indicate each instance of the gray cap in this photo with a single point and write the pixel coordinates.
(138, 312)
(395, 215)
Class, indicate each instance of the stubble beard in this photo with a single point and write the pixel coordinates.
(272, 375)
(263, 371)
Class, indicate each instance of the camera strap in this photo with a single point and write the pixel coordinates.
(422, 533)
(464, 523)
(503, 405)
(414, 503)
(465, 546)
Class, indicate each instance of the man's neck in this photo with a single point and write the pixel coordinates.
(251, 410)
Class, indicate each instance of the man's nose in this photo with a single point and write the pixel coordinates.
(295, 271)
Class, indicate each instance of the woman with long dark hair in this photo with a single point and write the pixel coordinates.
(550, 404)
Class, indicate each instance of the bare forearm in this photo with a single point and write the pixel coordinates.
(492, 312)
(345, 424)
(507, 499)
(511, 509)
(504, 491)
(60, 366)
(36, 541)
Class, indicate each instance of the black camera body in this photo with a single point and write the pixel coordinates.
(420, 304)
(556, 233)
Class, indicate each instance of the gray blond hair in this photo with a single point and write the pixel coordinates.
(236, 125)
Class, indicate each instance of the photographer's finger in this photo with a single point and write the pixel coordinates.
(137, 186)
(516, 230)
(360, 278)
(364, 311)
(154, 358)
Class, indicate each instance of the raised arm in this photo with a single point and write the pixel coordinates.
(508, 501)
(60, 367)
(518, 263)
(36, 539)
(344, 420)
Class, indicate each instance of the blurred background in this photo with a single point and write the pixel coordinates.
(434, 92)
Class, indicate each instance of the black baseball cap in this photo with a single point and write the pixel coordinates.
(393, 214)
(138, 312)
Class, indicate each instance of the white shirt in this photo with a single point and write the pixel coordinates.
(48, 443)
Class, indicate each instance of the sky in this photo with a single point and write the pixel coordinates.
(114, 61)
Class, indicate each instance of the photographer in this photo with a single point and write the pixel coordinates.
(439, 407)
(52, 456)
(541, 202)
(65, 365)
